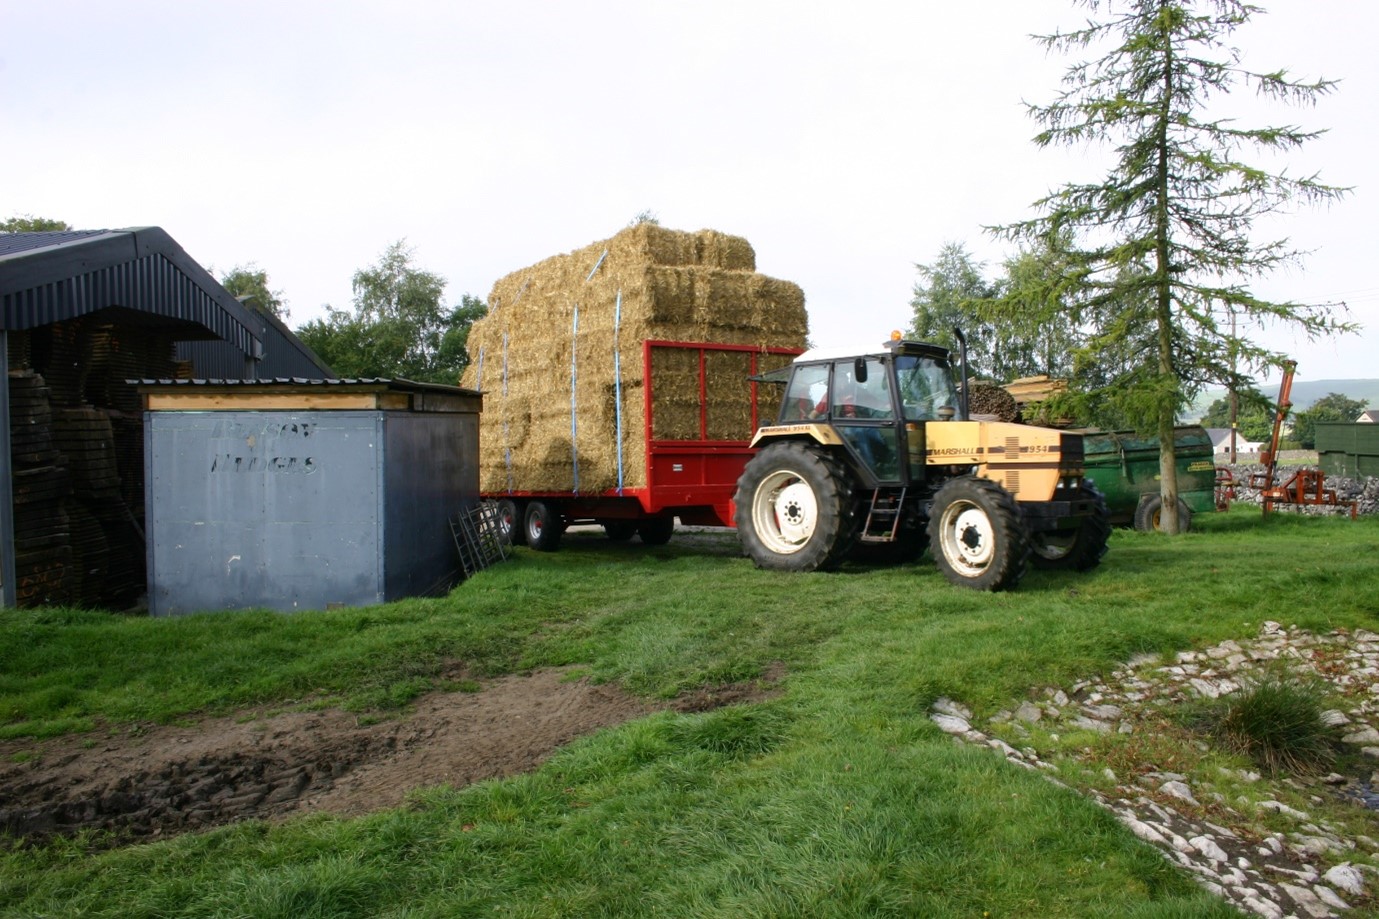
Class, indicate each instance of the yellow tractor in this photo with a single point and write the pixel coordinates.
(873, 454)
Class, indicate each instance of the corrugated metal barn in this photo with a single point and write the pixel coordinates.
(82, 313)
(301, 494)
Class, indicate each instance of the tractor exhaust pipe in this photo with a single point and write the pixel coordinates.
(962, 356)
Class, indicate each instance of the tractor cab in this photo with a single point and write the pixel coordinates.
(876, 405)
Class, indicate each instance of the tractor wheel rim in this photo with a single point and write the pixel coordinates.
(785, 512)
(969, 539)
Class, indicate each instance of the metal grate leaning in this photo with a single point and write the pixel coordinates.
(479, 537)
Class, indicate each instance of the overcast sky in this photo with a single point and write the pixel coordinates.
(847, 142)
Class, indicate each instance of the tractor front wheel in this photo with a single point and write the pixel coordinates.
(797, 511)
(977, 535)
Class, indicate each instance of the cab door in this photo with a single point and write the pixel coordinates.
(863, 412)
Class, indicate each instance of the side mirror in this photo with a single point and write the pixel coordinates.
(859, 370)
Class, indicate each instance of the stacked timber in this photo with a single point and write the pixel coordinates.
(560, 360)
(1030, 393)
(42, 535)
(76, 438)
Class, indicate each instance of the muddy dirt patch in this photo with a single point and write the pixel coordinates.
(169, 779)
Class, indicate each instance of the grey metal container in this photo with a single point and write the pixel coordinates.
(296, 496)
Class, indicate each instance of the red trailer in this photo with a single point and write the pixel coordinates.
(689, 478)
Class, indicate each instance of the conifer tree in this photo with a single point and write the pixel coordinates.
(1161, 246)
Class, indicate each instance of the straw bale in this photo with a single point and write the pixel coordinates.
(578, 321)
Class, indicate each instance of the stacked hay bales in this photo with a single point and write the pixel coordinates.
(560, 352)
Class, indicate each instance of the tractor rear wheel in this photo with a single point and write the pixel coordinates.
(797, 509)
(1080, 549)
(977, 535)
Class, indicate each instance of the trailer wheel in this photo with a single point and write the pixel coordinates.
(977, 535)
(656, 531)
(543, 526)
(1151, 508)
(801, 513)
(510, 522)
(1080, 549)
(619, 530)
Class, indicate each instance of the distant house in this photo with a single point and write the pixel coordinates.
(1221, 441)
(1368, 417)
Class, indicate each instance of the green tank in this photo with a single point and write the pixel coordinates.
(1125, 467)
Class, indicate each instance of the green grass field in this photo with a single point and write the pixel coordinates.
(838, 797)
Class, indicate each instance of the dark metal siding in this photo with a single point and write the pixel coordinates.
(142, 270)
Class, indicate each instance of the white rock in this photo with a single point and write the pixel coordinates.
(1346, 877)
(1205, 688)
(1028, 711)
(946, 706)
(1307, 900)
(1178, 790)
(1366, 735)
(1319, 845)
(1144, 831)
(1329, 897)
(1334, 718)
(1261, 907)
(1208, 847)
(951, 724)
(1005, 748)
(1280, 807)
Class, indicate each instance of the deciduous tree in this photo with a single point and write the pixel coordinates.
(399, 327)
(252, 281)
(27, 223)
(1330, 407)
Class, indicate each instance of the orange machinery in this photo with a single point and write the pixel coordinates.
(1305, 486)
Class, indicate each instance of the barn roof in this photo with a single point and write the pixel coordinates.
(142, 272)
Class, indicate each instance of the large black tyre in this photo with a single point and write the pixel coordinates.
(977, 535)
(1151, 508)
(619, 530)
(656, 531)
(510, 522)
(796, 509)
(542, 525)
(1075, 550)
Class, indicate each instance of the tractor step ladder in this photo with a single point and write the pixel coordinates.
(479, 537)
(883, 517)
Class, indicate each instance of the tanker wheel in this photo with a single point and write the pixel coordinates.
(510, 522)
(977, 535)
(656, 531)
(1148, 514)
(801, 514)
(619, 530)
(1079, 549)
(543, 526)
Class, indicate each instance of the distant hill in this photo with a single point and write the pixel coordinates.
(1305, 392)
